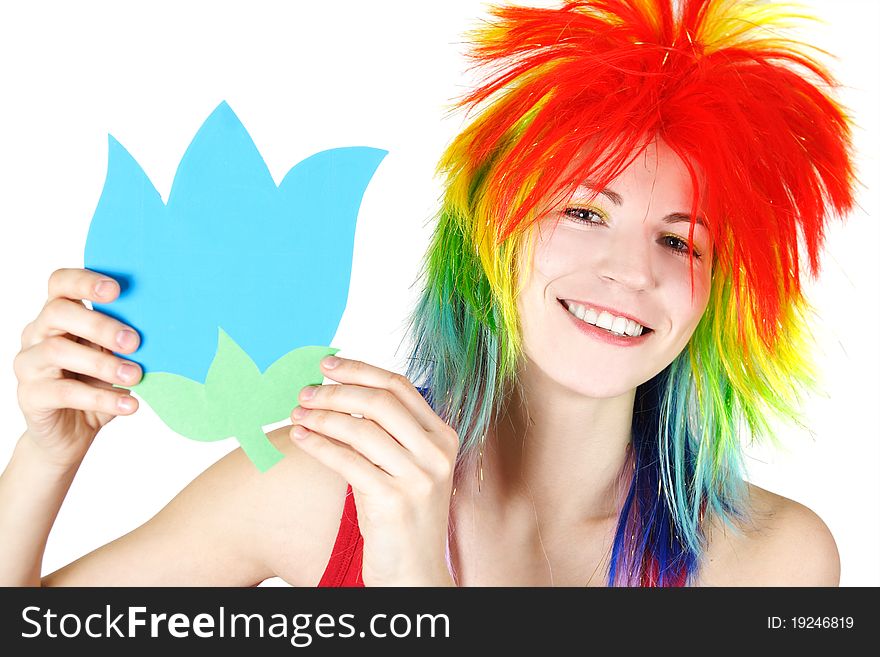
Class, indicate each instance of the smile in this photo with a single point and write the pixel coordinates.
(602, 324)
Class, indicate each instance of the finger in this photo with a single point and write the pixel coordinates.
(378, 405)
(361, 373)
(91, 380)
(82, 284)
(57, 394)
(62, 316)
(73, 284)
(48, 358)
(364, 436)
(90, 344)
(351, 465)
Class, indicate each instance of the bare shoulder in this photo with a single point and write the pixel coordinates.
(299, 504)
(285, 519)
(231, 526)
(784, 544)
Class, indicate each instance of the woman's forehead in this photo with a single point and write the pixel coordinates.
(656, 164)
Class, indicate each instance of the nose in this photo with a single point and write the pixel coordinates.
(627, 262)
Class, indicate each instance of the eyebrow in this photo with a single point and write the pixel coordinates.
(675, 217)
(617, 199)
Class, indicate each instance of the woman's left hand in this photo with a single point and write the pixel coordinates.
(399, 459)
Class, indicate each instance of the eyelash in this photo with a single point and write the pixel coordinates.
(682, 252)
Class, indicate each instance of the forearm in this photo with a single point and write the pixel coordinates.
(31, 493)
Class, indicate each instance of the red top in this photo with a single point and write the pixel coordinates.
(346, 560)
(344, 567)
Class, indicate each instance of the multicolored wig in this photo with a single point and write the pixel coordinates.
(749, 112)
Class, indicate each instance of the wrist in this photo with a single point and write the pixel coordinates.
(44, 463)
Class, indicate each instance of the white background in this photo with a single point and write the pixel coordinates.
(304, 77)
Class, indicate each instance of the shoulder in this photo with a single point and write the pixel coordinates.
(289, 514)
(783, 543)
(231, 526)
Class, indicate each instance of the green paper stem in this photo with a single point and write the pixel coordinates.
(258, 448)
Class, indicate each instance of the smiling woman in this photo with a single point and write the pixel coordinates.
(611, 304)
(715, 140)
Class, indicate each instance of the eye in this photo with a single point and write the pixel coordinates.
(590, 216)
(678, 245)
(584, 215)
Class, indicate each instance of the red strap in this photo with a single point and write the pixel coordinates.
(344, 566)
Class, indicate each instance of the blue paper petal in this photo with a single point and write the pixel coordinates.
(268, 264)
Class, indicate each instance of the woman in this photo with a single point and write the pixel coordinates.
(611, 296)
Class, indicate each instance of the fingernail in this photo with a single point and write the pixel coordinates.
(125, 404)
(308, 392)
(105, 287)
(299, 412)
(300, 432)
(127, 372)
(330, 362)
(126, 339)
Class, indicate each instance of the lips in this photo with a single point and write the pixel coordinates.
(612, 311)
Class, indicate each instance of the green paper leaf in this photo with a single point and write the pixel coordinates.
(235, 400)
(233, 378)
(284, 378)
(182, 405)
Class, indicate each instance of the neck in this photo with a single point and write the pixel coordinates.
(556, 454)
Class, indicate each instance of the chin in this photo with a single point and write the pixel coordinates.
(591, 382)
(607, 390)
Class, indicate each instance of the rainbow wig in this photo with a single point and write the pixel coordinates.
(750, 114)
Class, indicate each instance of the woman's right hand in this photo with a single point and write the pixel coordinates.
(66, 366)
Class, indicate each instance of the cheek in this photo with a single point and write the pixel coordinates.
(548, 264)
(555, 257)
(559, 252)
(686, 307)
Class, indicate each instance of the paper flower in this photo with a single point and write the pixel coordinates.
(236, 284)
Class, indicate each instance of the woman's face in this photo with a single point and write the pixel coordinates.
(626, 252)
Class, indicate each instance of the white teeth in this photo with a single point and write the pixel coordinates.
(634, 329)
(619, 325)
(607, 321)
